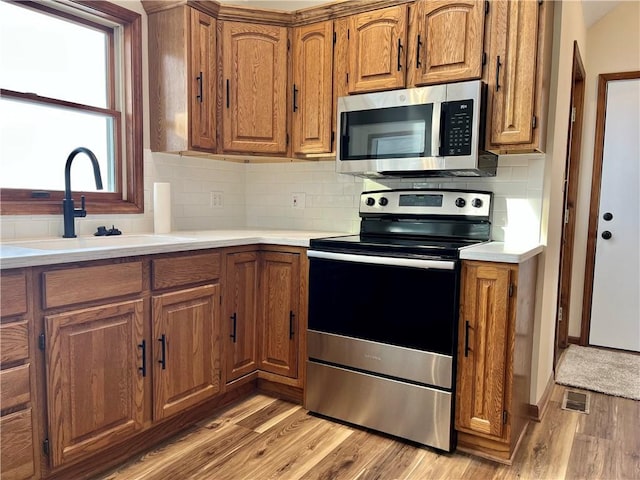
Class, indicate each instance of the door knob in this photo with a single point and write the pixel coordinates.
(606, 235)
(607, 216)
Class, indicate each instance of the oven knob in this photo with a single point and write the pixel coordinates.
(476, 202)
(460, 202)
(383, 201)
(371, 201)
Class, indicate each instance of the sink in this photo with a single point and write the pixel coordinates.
(83, 243)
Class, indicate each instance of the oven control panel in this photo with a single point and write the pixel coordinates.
(426, 202)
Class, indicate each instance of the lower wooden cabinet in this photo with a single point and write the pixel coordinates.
(94, 387)
(279, 313)
(241, 312)
(186, 359)
(494, 356)
(16, 456)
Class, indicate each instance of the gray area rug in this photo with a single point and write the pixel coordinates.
(606, 371)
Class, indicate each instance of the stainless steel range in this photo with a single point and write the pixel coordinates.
(383, 312)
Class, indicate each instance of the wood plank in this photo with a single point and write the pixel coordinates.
(436, 466)
(395, 462)
(593, 457)
(268, 416)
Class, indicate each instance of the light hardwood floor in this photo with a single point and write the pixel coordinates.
(265, 438)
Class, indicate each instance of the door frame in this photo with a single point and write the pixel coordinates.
(596, 180)
(570, 199)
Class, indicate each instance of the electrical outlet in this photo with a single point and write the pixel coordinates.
(297, 200)
(216, 200)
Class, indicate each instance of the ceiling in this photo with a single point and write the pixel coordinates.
(594, 10)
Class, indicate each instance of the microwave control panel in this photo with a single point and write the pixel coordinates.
(457, 124)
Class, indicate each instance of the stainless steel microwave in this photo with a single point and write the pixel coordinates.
(418, 132)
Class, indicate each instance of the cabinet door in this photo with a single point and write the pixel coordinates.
(377, 52)
(254, 69)
(312, 88)
(483, 349)
(241, 299)
(512, 71)
(17, 461)
(203, 80)
(279, 312)
(186, 360)
(94, 385)
(445, 41)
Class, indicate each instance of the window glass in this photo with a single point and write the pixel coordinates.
(52, 57)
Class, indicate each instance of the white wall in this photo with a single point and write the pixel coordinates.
(613, 45)
(568, 27)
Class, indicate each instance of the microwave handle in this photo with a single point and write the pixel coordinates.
(444, 109)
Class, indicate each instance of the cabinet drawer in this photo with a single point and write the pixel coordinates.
(14, 341)
(185, 270)
(16, 437)
(13, 300)
(14, 386)
(86, 284)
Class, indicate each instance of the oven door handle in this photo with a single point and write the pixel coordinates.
(391, 261)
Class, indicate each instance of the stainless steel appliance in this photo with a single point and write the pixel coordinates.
(418, 132)
(383, 310)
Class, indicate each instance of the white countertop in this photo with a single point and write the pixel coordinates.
(501, 252)
(30, 253)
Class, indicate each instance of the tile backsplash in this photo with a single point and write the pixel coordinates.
(212, 194)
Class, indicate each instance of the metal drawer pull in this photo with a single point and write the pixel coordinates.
(292, 316)
(163, 357)
(234, 320)
(143, 368)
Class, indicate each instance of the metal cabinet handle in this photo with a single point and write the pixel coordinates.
(466, 338)
(234, 320)
(199, 78)
(400, 48)
(163, 357)
(418, 62)
(295, 98)
(498, 65)
(292, 316)
(143, 368)
(227, 93)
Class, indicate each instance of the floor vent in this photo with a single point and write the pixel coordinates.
(576, 401)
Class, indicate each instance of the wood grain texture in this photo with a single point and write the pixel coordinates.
(13, 301)
(278, 315)
(340, 69)
(94, 388)
(274, 439)
(15, 389)
(375, 38)
(241, 314)
(254, 65)
(181, 270)
(312, 84)
(14, 341)
(186, 349)
(451, 42)
(74, 285)
(16, 456)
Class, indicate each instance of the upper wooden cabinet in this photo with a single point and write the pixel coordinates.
(254, 84)
(182, 80)
(312, 88)
(377, 50)
(186, 346)
(519, 38)
(445, 41)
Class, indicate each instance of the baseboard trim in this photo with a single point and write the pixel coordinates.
(574, 340)
(536, 412)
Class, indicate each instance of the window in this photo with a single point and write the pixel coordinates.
(70, 76)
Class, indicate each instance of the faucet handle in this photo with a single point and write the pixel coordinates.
(82, 202)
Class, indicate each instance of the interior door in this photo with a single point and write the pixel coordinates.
(615, 319)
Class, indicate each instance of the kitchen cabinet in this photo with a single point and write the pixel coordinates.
(279, 314)
(182, 80)
(445, 41)
(312, 121)
(377, 49)
(186, 331)
(241, 312)
(494, 356)
(519, 48)
(19, 458)
(254, 74)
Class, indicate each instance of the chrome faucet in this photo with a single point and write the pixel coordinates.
(68, 209)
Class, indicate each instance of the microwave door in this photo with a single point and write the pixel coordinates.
(437, 125)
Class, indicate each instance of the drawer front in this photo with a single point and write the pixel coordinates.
(86, 284)
(185, 270)
(16, 437)
(14, 342)
(14, 386)
(13, 300)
